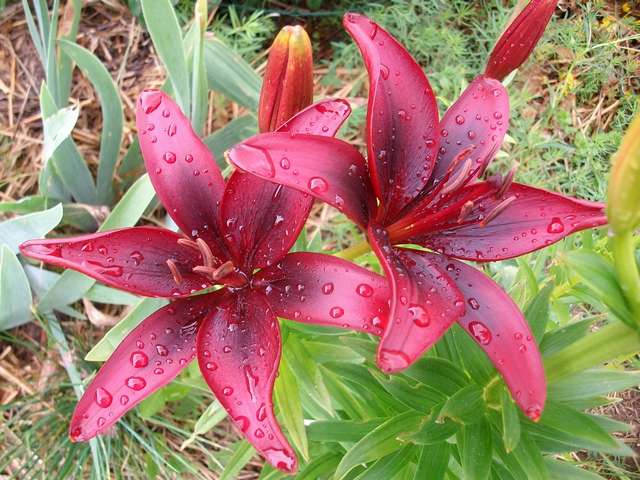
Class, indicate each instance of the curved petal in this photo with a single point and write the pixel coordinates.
(497, 325)
(534, 219)
(182, 170)
(131, 259)
(147, 359)
(326, 290)
(402, 118)
(329, 169)
(520, 38)
(239, 353)
(424, 304)
(262, 220)
(479, 120)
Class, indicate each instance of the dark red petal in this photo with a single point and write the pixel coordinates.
(497, 325)
(131, 259)
(326, 290)
(239, 352)
(424, 303)
(402, 117)
(182, 170)
(148, 358)
(535, 219)
(478, 119)
(329, 169)
(520, 38)
(261, 219)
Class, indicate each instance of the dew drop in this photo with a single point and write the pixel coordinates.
(137, 257)
(211, 366)
(171, 129)
(473, 303)
(101, 421)
(285, 164)
(384, 71)
(460, 119)
(124, 399)
(103, 397)
(259, 433)
(162, 350)
(364, 290)
(327, 288)
(336, 312)
(227, 391)
(139, 359)
(169, 157)
(419, 315)
(136, 383)
(556, 226)
(188, 158)
(261, 413)
(480, 332)
(318, 185)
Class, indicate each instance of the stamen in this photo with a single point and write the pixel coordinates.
(223, 270)
(175, 273)
(506, 182)
(459, 180)
(497, 210)
(465, 211)
(187, 242)
(207, 256)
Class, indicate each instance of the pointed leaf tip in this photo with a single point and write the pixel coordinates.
(520, 38)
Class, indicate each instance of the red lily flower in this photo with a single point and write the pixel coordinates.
(424, 189)
(231, 231)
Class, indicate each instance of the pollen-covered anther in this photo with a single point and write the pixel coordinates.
(506, 182)
(175, 273)
(465, 211)
(216, 273)
(497, 210)
(460, 178)
(207, 256)
(187, 242)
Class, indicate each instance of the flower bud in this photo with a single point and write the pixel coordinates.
(288, 80)
(623, 208)
(520, 38)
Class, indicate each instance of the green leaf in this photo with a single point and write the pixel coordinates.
(103, 294)
(389, 466)
(433, 462)
(537, 312)
(560, 470)
(475, 445)
(199, 88)
(230, 75)
(29, 227)
(112, 116)
(380, 442)
(432, 429)
(165, 32)
(510, 422)
(241, 456)
(592, 383)
(57, 128)
(558, 339)
(73, 285)
(233, 132)
(466, 406)
(438, 373)
(15, 294)
(290, 408)
(211, 417)
(319, 467)
(107, 344)
(338, 431)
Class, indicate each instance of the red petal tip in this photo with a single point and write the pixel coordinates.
(390, 361)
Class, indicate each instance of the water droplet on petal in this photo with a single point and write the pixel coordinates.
(419, 315)
(103, 397)
(473, 303)
(136, 383)
(169, 157)
(336, 312)
(480, 332)
(227, 391)
(556, 226)
(139, 359)
(162, 350)
(364, 290)
(460, 119)
(327, 288)
(318, 185)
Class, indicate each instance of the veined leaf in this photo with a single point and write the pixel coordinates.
(537, 312)
(290, 408)
(28, 227)
(433, 462)
(339, 431)
(389, 466)
(559, 470)
(510, 422)
(15, 294)
(466, 406)
(241, 456)
(592, 383)
(475, 444)
(57, 128)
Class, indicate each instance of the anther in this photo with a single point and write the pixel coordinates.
(459, 180)
(465, 211)
(497, 210)
(175, 273)
(223, 270)
(506, 183)
(207, 256)
(187, 242)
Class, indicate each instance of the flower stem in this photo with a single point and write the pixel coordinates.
(354, 251)
(627, 269)
(610, 342)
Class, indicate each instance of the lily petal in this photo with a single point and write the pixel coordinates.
(130, 259)
(424, 303)
(402, 117)
(534, 219)
(479, 120)
(182, 170)
(326, 290)
(520, 38)
(262, 220)
(327, 168)
(497, 325)
(238, 354)
(147, 359)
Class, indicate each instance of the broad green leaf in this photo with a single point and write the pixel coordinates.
(211, 417)
(338, 431)
(592, 383)
(475, 361)
(433, 462)
(290, 408)
(474, 442)
(438, 373)
(15, 294)
(319, 467)
(107, 344)
(389, 466)
(510, 422)
(233, 132)
(241, 456)
(466, 406)
(112, 116)
(413, 394)
(537, 312)
(380, 442)
(557, 339)
(164, 29)
(57, 128)
(560, 470)
(525, 461)
(432, 430)
(328, 351)
(103, 294)
(343, 393)
(194, 43)
(65, 69)
(29, 227)
(230, 75)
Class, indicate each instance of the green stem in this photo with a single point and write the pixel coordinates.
(627, 269)
(610, 342)
(354, 251)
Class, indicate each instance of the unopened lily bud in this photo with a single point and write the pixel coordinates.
(520, 38)
(288, 80)
(623, 208)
